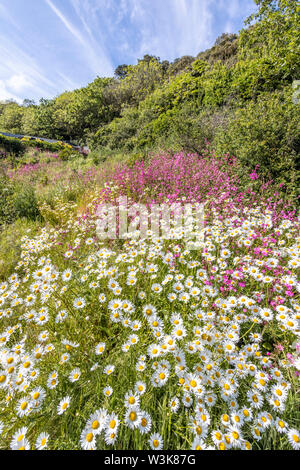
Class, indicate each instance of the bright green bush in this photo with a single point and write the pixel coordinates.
(11, 145)
(20, 146)
(25, 202)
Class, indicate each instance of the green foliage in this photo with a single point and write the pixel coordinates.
(230, 95)
(25, 202)
(10, 244)
(79, 112)
(19, 146)
(141, 79)
(17, 201)
(11, 145)
(7, 209)
(224, 49)
(160, 104)
(275, 34)
(11, 118)
(65, 154)
(181, 64)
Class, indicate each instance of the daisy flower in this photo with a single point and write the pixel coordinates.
(87, 439)
(18, 437)
(112, 423)
(107, 391)
(174, 404)
(281, 426)
(145, 423)
(21, 445)
(74, 375)
(132, 417)
(99, 349)
(79, 303)
(131, 399)
(156, 441)
(63, 405)
(109, 369)
(42, 441)
(294, 438)
(110, 437)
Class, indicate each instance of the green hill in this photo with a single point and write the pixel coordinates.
(240, 96)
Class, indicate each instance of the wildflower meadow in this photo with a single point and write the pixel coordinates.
(149, 228)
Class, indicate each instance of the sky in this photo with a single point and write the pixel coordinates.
(51, 46)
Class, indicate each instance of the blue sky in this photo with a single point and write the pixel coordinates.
(50, 46)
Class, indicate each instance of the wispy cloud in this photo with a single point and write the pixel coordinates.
(168, 28)
(20, 74)
(50, 46)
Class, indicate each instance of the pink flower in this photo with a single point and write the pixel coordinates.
(254, 175)
(290, 357)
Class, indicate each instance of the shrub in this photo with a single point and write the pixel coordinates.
(7, 209)
(265, 133)
(20, 146)
(25, 202)
(10, 245)
(65, 154)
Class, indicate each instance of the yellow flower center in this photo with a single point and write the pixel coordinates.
(132, 416)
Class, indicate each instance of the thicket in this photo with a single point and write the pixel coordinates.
(240, 96)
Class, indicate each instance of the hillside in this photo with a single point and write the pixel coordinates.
(149, 289)
(238, 95)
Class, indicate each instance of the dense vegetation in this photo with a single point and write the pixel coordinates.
(239, 95)
(186, 340)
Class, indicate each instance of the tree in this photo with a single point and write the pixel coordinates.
(148, 58)
(45, 125)
(29, 126)
(11, 118)
(27, 103)
(274, 31)
(181, 64)
(80, 112)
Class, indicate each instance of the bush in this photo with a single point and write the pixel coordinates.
(7, 209)
(10, 244)
(19, 146)
(25, 202)
(11, 145)
(65, 154)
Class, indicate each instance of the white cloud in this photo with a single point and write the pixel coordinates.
(19, 82)
(167, 28)
(67, 23)
(172, 28)
(5, 94)
(92, 37)
(20, 74)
